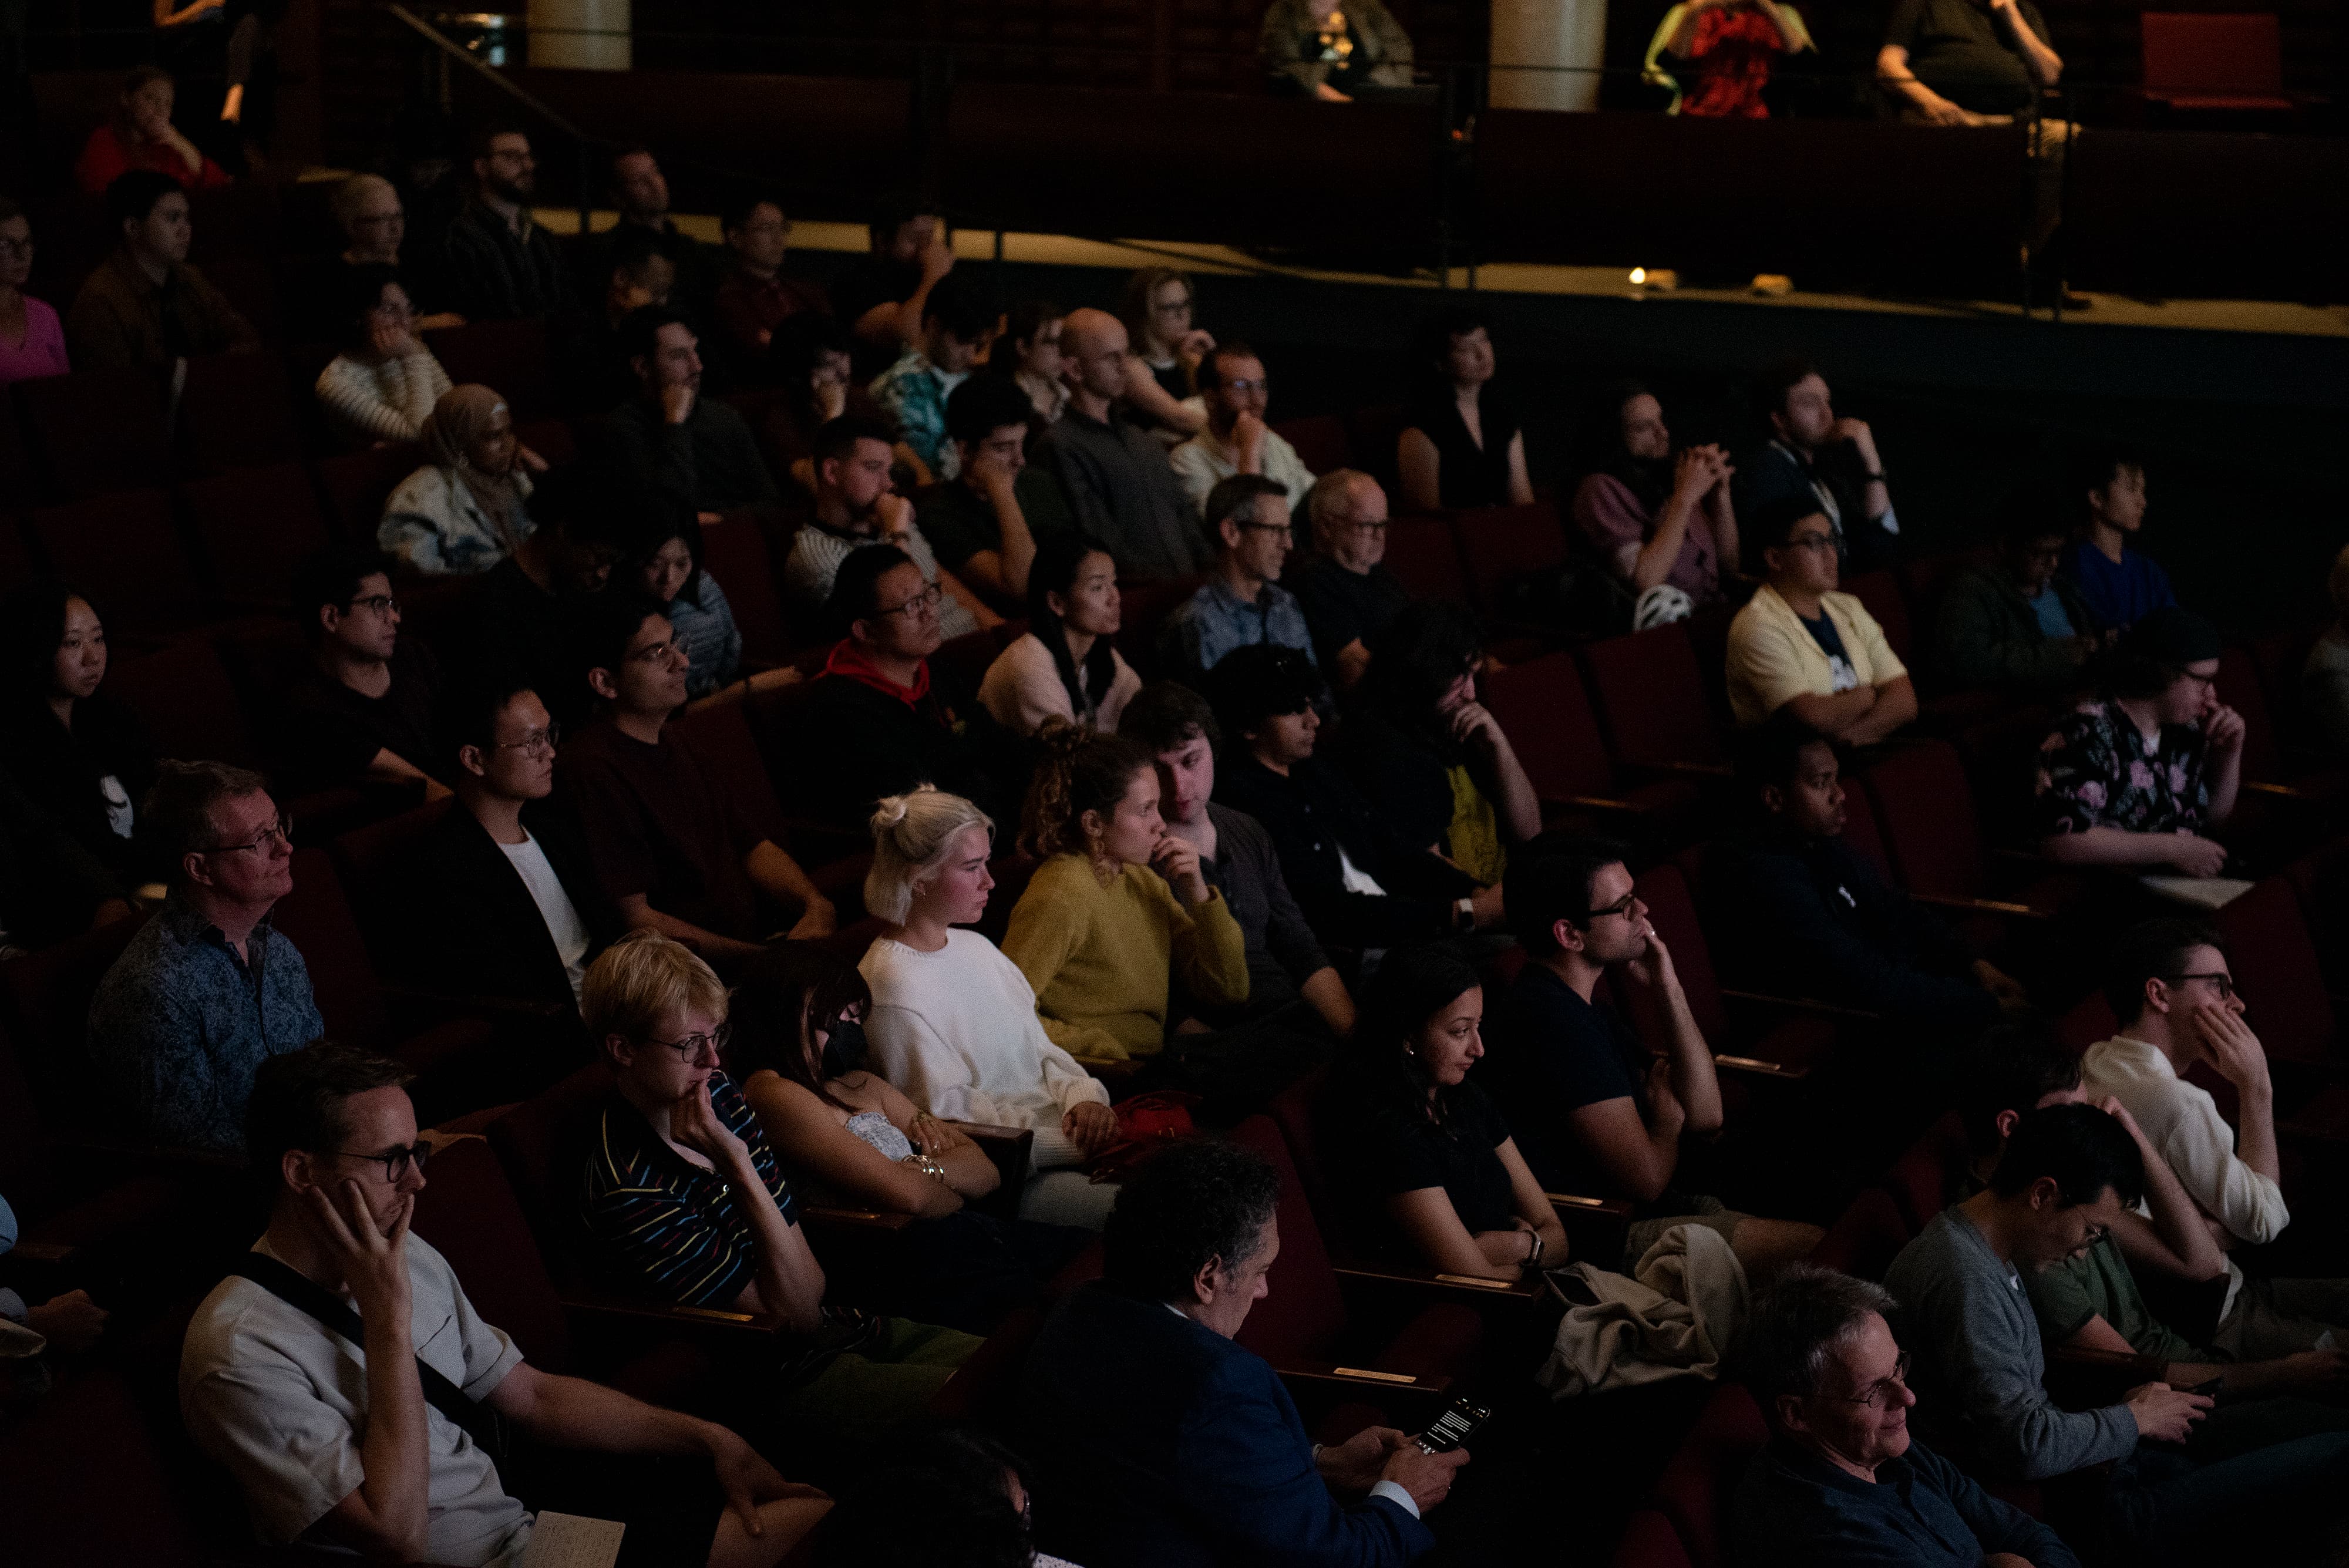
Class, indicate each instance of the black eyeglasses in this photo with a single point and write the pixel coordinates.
(381, 603)
(396, 1162)
(2224, 984)
(283, 828)
(924, 603)
(1880, 1392)
(689, 1049)
(1621, 906)
(536, 742)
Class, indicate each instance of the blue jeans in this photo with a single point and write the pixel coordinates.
(2278, 1496)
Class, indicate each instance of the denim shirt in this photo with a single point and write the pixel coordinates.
(181, 1023)
(1215, 620)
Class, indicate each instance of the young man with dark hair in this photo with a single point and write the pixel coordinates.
(341, 1375)
(753, 296)
(959, 321)
(1812, 453)
(2015, 623)
(2119, 584)
(670, 440)
(1237, 440)
(1801, 645)
(1242, 603)
(1157, 1441)
(500, 265)
(676, 852)
(635, 268)
(363, 711)
(857, 506)
(881, 296)
(145, 307)
(984, 523)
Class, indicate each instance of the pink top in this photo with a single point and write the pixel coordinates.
(1610, 518)
(42, 351)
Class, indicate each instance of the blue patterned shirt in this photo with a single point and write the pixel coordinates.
(1215, 620)
(181, 1023)
(912, 391)
(707, 636)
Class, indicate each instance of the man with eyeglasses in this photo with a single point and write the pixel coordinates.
(1346, 591)
(857, 505)
(1800, 645)
(2015, 623)
(501, 265)
(1242, 603)
(753, 296)
(208, 989)
(1843, 1483)
(362, 713)
(1231, 381)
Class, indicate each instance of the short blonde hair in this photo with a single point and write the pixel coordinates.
(911, 836)
(641, 977)
(2336, 584)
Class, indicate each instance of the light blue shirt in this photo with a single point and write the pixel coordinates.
(1215, 620)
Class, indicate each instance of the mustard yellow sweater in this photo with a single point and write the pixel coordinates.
(1099, 958)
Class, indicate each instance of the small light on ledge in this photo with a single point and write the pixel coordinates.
(1638, 276)
(1655, 279)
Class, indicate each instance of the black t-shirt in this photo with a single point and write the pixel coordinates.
(1548, 1052)
(1388, 1151)
(1342, 607)
(959, 523)
(333, 733)
(1960, 50)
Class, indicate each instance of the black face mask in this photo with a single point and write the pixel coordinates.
(843, 1048)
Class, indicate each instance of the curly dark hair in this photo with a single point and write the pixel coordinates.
(1080, 770)
(1201, 1201)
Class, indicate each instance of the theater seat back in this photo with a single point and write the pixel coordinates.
(316, 918)
(1701, 1478)
(45, 1001)
(1673, 912)
(1425, 556)
(469, 1211)
(1926, 814)
(1303, 1316)
(1864, 1238)
(1503, 547)
(1543, 707)
(378, 863)
(543, 1144)
(1919, 1180)
(2276, 968)
(1650, 697)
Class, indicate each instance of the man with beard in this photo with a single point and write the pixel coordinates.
(668, 442)
(1812, 452)
(501, 266)
(856, 506)
(1657, 522)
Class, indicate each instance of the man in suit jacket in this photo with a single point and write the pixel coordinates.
(1156, 1442)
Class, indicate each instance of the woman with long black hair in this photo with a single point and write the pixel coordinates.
(1066, 667)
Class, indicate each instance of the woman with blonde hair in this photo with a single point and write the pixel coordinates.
(462, 512)
(1161, 365)
(953, 1023)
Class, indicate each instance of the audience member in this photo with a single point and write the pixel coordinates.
(1812, 453)
(856, 506)
(519, 616)
(2062, 1182)
(953, 1022)
(1287, 971)
(959, 322)
(1461, 446)
(50, 887)
(84, 759)
(1164, 352)
(668, 441)
(2324, 676)
(1954, 62)
(1157, 1441)
(466, 509)
(1411, 1132)
(978, 522)
(2138, 775)
(1332, 49)
(501, 265)
(676, 852)
(811, 361)
(145, 307)
(2120, 585)
(640, 196)
(1361, 880)
(1349, 596)
(1119, 907)
(881, 296)
(685, 1197)
(1065, 666)
(1431, 758)
(753, 296)
(1799, 647)
(1233, 388)
(389, 1458)
(207, 988)
(1657, 522)
(2015, 623)
(516, 911)
(374, 224)
(363, 711)
(1843, 1483)
(1729, 46)
(1594, 1111)
(385, 383)
(973, 1492)
(138, 134)
(1119, 486)
(32, 339)
(1034, 361)
(1242, 603)
(666, 557)
(585, 348)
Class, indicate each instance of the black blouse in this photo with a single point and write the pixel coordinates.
(1468, 474)
(60, 769)
(1387, 1151)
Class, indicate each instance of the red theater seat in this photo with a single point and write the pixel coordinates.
(184, 697)
(236, 412)
(358, 483)
(123, 548)
(1879, 593)
(2201, 61)
(1866, 1238)
(1424, 553)
(1651, 697)
(1695, 1489)
(735, 552)
(1321, 441)
(508, 357)
(2275, 965)
(1543, 707)
(1503, 547)
(255, 525)
(97, 431)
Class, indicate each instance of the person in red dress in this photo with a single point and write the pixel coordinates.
(1728, 45)
(140, 135)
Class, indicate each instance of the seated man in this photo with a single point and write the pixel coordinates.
(363, 711)
(984, 523)
(632, 270)
(1358, 881)
(880, 297)
(1803, 647)
(1285, 964)
(1242, 603)
(959, 321)
(1155, 1442)
(1346, 591)
(753, 296)
(641, 197)
(1843, 1484)
(515, 910)
(343, 1377)
(208, 989)
(1813, 453)
(2014, 624)
(145, 307)
(674, 850)
(1814, 917)
(855, 505)
(687, 1202)
(1237, 440)
(1119, 488)
(668, 440)
(1593, 1111)
(499, 263)
(1966, 62)
(2120, 584)
(2192, 1493)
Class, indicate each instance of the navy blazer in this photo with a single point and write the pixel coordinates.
(1157, 1443)
(477, 932)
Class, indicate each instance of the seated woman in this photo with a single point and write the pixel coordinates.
(798, 1051)
(1414, 1137)
(682, 1196)
(1330, 50)
(1029, 353)
(463, 512)
(1066, 667)
(666, 557)
(1119, 906)
(140, 135)
(1729, 46)
(2135, 777)
(2325, 679)
(1162, 361)
(32, 337)
(385, 383)
(953, 1021)
(78, 753)
(1662, 526)
(1461, 444)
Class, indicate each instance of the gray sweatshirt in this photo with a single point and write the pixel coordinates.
(1969, 1329)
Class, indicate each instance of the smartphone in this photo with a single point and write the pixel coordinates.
(1455, 1427)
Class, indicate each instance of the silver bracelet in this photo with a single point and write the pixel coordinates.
(926, 1165)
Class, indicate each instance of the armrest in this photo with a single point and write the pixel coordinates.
(1012, 1150)
(1596, 803)
(825, 1216)
(2286, 792)
(1116, 1075)
(1799, 1004)
(1721, 771)
(1431, 1284)
(1980, 906)
(2083, 1379)
(1412, 1402)
(1596, 1228)
(1754, 1067)
(738, 1331)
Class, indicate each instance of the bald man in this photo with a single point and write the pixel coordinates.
(1120, 487)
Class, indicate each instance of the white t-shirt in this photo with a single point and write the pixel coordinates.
(119, 811)
(271, 1393)
(555, 907)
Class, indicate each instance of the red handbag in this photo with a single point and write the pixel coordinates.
(1145, 1124)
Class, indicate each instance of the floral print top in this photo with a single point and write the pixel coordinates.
(2097, 771)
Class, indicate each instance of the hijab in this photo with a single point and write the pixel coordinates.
(458, 422)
